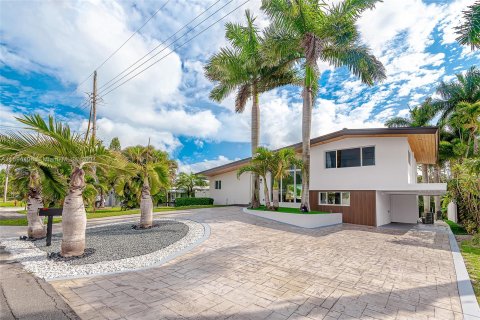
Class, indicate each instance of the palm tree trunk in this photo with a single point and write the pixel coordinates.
(146, 206)
(5, 191)
(36, 229)
(436, 178)
(306, 131)
(475, 143)
(255, 142)
(426, 199)
(275, 195)
(265, 190)
(74, 219)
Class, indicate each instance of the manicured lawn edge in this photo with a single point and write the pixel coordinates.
(105, 213)
(456, 228)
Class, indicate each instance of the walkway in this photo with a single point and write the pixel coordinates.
(251, 268)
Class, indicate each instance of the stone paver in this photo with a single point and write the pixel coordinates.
(251, 268)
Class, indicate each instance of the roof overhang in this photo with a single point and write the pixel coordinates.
(421, 189)
(422, 140)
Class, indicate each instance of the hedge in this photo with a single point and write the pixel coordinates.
(183, 202)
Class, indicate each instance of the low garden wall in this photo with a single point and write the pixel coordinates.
(306, 220)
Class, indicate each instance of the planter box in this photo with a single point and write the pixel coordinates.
(300, 220)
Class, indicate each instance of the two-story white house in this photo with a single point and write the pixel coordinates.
(369, 175)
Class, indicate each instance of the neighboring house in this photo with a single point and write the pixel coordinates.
(369, 175)
(202, 192)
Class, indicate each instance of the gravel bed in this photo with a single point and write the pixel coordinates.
(35, 259)
(120, 241)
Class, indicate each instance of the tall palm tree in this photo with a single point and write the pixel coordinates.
(152, 169)
(465, 88)
(260, 165)
(190, 181)
(467, 117)
(55, 140)
(308, 31)
(282, 161)
(469, 31)
(419, 116)
(241, 67)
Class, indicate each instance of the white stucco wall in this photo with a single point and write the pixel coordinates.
(390, 169)
(404, 208)
(203, 193)
(383, 212)
(234, 191)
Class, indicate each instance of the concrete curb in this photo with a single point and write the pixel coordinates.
(470, 307)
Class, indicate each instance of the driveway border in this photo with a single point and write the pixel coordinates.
(470, 307)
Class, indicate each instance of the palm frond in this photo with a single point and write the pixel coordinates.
(469, 31)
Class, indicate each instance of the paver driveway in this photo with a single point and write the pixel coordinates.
(251, 268)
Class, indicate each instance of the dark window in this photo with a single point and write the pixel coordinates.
(330, 159)
(368, 156)
(323, 197)
(218, 184)
(348, 158)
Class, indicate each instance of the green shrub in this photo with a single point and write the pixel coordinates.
(183, 202)
(471, 227)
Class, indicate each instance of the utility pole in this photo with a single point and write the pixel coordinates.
(94, 106)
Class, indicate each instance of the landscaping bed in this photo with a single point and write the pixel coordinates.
(295, 217)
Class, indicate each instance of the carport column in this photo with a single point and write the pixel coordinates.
(426, 199)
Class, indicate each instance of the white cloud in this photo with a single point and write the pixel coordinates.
(204, 165)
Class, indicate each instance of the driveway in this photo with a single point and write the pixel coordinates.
(251, 268)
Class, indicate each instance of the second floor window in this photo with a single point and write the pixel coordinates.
(218, 184)
(354, 157)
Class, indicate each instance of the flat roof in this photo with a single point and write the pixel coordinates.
(423, 142)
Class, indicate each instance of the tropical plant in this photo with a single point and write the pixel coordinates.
(282, 161)
(465, 88)
(189, 182)
(469, 31)
(307, 31)
(55, 140)
(151, 169)
(467, 117)
(260, 165)
(241, 67)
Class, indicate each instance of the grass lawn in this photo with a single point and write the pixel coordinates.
(471, 255)
(103, 213)
(456, 228)
(12, 204)
(292, 210)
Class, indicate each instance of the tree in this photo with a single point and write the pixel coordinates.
(467, 117)
(55, 140)
(308, 31)
(419, 116)
(260, 165)
(115, 144)
(282, 161)
(151, 169)
(465, 88)
(242, 68)
(469, 31)
(190, 181)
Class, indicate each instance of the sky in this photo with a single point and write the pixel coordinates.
(49, 49)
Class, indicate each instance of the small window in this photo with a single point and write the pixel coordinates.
(323, 198)
(331, 159)
(334, 198)
(218, 184)
(368, 156)
(348, 158)
(345, 198)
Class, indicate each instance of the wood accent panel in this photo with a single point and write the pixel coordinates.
(362, 209)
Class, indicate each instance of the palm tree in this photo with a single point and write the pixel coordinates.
(282, 161)
(190, 181)
(260, 165)
(307, 31)
(55, 140)
(152, 169)
(467, 117)
(465, 88)
(242, 68)
(469, 31)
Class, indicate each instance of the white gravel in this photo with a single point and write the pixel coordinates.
(35, 260)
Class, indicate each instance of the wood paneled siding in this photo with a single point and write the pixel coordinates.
(362, 208)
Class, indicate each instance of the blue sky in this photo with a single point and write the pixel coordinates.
(48, 48)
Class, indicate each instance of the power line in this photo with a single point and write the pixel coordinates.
(198, 34)
(156, 47)
(133, 34)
